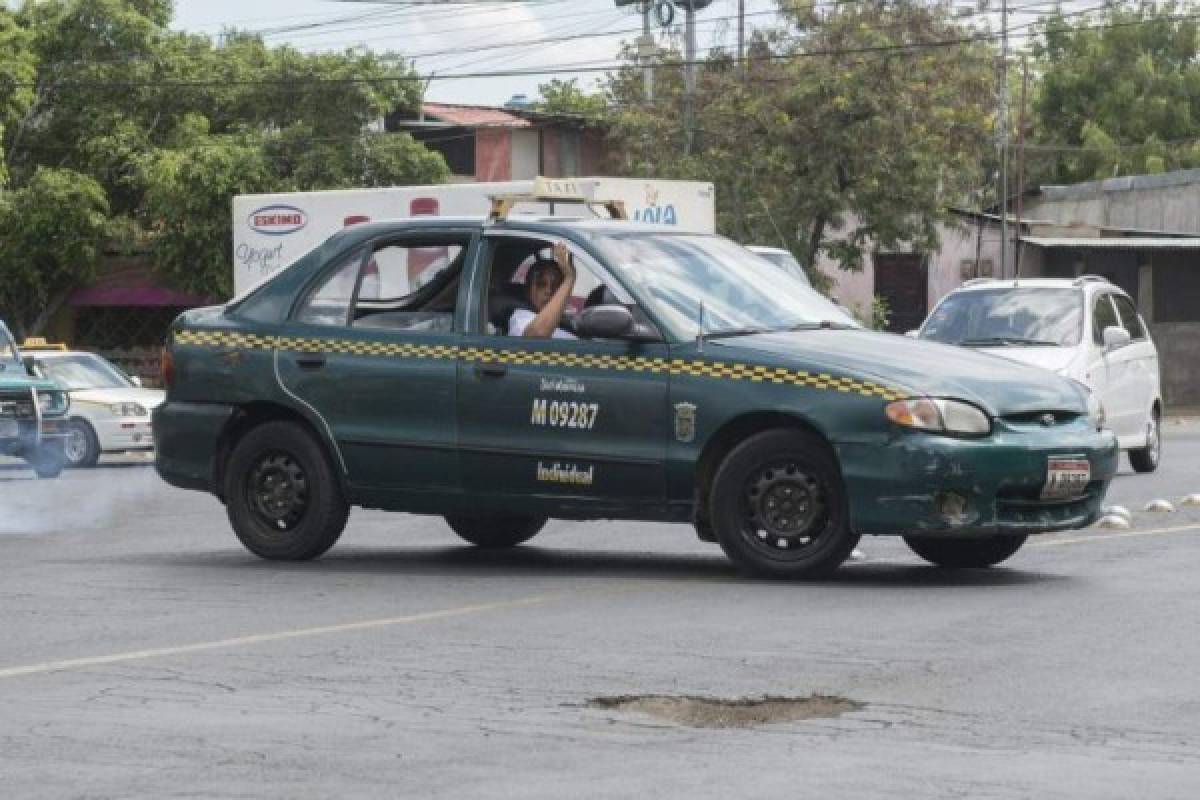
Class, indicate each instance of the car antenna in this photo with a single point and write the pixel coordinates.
(700, 330)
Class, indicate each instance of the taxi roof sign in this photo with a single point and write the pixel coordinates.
(39, 343)
(551, 191)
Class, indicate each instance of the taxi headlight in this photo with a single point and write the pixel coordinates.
(1095, 411)
(939, 415)
(53, 404)
(128, 409)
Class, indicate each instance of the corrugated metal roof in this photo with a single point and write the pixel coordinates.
(1116, 242)
(1079, 191)
(475, 116)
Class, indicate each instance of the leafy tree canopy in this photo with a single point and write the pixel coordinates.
(168, 126)
(1119, 92)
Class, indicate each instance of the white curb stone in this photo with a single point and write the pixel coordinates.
(1190, 500)
(1114, 522)
(1159, 506)
(1119, 511)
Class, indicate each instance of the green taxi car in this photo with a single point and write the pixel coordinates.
(33, 413)
(705, 386)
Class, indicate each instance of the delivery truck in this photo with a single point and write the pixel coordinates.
(271, 231)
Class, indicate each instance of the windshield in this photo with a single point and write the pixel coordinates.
(741, 292)
(83, 372)
(1008, 317)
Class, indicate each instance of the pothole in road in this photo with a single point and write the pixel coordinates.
(715, 712)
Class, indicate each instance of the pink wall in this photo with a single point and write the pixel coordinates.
(493, 154)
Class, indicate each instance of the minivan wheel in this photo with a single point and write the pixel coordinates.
(1145, 459)
(283, 497)
(494, 531)
(778, 506)
(965, 553)
(82, 448)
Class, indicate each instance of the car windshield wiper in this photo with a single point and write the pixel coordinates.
(991, 341)
(737, 332)
(825, 324)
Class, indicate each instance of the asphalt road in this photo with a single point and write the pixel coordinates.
(143, 653)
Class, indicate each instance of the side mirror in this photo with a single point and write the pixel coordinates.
(604, 322)
(1114, 337)
(912, 334)
(136, 381)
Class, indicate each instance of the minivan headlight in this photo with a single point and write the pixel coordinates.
(939, 415)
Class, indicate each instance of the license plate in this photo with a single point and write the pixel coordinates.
(8, 428)
(1066, 476)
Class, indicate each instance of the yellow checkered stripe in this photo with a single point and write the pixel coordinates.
(717, 370)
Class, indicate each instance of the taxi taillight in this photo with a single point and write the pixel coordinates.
(167, 365)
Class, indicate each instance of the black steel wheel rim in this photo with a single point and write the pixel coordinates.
(277, 490)
(785, 511)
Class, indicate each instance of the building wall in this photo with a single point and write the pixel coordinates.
(526, 153)
(1178, 343)
(493, 154)
(1168, 202)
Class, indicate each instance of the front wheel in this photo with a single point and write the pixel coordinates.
(965, 553)
(495, 531)
(778, 506)
(81, 447)
(48, 461)
(283, 497)
(1145, 459)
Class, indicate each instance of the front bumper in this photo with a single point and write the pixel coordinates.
(930, 485)
(124, 433)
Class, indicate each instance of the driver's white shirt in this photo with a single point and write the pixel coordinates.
(520, 320)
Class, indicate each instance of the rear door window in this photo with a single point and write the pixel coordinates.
(1129, 317)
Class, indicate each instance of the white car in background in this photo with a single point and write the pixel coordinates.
(110, 411)
(1086, 329)
(782, 259)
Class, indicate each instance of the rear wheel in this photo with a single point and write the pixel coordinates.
(81, 447)
(778, 506)
(1146, 459)
(495, 531)
(965, 553)
(282, 495)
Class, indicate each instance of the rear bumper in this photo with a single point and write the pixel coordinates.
(922, 484)
(185, 441)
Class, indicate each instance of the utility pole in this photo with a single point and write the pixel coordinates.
(742, 37)
(646, 54)
(1021, 164)
(1004, 140)
(689, 77)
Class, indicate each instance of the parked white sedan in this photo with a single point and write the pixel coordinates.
(1086, 329)
(110, 412)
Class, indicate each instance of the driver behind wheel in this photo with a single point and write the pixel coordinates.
(549, 284)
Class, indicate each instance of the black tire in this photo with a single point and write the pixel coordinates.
(49, 461)
(82, 447)
(778, 506)
(495, 531)
(282, 495)
(974, 553)
(1146, 459)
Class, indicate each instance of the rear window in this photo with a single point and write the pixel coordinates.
(1008, 316)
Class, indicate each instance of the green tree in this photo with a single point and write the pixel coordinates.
(565, 97)
(52, 232)
(851, 129)
(1119, 93)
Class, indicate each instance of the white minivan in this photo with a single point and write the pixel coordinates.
(1086, 329)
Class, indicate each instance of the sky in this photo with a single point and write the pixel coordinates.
(446, 39)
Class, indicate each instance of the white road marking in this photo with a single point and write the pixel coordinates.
(1103, 536)
(239, 641)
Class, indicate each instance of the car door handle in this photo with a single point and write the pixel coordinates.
(490, 370)
(310, 360)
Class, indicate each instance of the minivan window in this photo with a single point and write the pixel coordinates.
(1008, 316)
(1104, 316)
(1129, 317)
